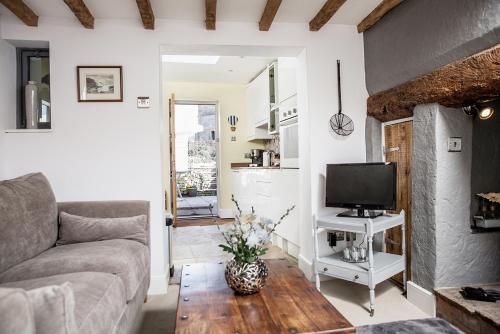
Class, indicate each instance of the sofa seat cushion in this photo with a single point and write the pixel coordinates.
(99, 298)
(127, 259)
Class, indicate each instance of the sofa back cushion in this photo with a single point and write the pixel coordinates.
(28, 219)
(74, 229)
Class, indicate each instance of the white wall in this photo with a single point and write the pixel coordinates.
(112, 150)
(230, 100)
(7, 96)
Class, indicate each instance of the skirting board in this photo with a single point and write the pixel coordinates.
(306, 266)
(421, 298)
(226, 213)
(158, 284)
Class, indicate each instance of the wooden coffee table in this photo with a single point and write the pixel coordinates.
(289, 304)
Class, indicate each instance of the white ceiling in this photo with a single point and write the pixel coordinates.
(293, 11)
(229, 69)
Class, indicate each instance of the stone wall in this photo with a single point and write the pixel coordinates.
(444, 250)
(424, 168)
(419, 36)
(373, 139)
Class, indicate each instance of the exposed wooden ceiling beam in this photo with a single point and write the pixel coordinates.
(268, 15)
(22, 11)
(147, 15)
(454, 85)
(81, 12)
(325, 14)
(383, 8)
(210, 14)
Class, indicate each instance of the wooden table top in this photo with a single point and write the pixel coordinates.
(289, 304)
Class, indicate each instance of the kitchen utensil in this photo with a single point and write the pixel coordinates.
(340, 123)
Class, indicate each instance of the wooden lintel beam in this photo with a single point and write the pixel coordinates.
(454, 85)
(383, 8)
(81, 12)
(147, 15)
(325, 14)
(210, 14)
(22, 11)
(268, 15)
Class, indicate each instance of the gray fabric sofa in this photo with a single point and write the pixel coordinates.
(109, 278)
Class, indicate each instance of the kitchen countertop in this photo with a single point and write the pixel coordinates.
(246, 165)
(260, 167)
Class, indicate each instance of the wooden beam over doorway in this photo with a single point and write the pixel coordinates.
(454, 85)
(81, 12)
(383, 8)
(325, 14)
(210, 14)
(22, 11)
(147, 15)
(268, 15)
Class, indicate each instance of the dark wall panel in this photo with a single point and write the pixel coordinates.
(419, 36)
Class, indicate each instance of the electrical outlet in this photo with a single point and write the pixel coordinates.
(339, 235)
(455, 144)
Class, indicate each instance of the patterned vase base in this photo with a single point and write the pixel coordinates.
(245, 278)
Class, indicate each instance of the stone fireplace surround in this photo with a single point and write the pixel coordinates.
(445, 251)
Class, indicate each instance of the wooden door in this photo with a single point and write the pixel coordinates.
(173, 169)
(398, 148)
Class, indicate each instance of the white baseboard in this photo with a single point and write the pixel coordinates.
(306, 266)
(226, 213)
(421, 298)
(158, 284)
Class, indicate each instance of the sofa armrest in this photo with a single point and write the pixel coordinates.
(107, 209)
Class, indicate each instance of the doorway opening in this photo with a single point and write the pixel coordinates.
(196, 157)
(397, 147)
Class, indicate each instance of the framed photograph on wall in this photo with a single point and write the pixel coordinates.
(99, 83)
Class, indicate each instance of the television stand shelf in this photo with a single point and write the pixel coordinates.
(380, 265)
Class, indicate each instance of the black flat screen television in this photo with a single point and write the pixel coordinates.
(362, 186)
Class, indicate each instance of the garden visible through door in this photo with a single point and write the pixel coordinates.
(196, 159)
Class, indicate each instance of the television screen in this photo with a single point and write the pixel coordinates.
(369, 186)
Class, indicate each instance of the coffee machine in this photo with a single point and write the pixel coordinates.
(256, 156)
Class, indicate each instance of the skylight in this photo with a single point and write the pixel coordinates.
(190, 59)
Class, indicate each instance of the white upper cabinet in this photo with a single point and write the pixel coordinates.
(262, 97)
(287, 78)
(258, 107)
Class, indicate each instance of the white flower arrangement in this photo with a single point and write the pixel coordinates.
(248, 236)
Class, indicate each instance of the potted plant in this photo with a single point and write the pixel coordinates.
(191, 190)
(247, 238)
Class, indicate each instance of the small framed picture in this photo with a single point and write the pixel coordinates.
(99, 83)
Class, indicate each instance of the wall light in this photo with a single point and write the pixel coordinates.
(482, 108)
(486, 113)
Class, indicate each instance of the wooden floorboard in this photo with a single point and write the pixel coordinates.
(205, 221)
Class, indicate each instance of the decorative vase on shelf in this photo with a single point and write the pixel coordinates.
(247, 239)
(246, 278)
(31, 105)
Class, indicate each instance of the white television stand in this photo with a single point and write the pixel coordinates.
(380, 265)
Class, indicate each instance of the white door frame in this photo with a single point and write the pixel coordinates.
(217, 138)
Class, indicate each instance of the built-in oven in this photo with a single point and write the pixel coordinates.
(289, 134)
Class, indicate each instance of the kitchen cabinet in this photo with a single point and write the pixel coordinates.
(287, 78)
(270, 192)
(257, 107)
